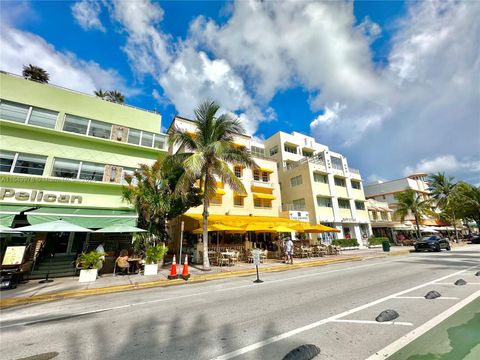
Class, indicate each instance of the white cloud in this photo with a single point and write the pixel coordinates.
(65, 69)
(445, 163)
(87, 14)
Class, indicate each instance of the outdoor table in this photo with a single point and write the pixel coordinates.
(135, 263)
(229, 255)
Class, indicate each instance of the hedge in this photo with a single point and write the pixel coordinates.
(377, 240)
(345, 242)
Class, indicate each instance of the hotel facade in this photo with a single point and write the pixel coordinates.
(64, 155)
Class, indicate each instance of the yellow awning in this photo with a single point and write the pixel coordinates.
(218, 227)
(311, 228)
(220, 192)
(266, 170)
(263, 196)
(239, 195)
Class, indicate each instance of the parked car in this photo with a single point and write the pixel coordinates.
(474, 239)
(432, 243)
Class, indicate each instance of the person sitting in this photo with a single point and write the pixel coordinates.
(122, 262)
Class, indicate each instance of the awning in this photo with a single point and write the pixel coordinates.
(220, 192)
(263, 196)
(89, 218)
(240, 195)
(120, 229)
(219, 227)
(8, 212)
(265, 170)
(54, 226)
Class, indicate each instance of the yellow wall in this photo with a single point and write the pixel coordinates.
(341, 192)
(345, 213)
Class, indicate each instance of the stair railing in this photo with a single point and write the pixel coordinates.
(39, 256)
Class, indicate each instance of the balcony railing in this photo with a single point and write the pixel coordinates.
(265, 184)
(315, 159)
(354, 171)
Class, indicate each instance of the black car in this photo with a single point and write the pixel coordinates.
(432, 243)
(474, 239)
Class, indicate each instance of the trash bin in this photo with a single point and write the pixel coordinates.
(386, 246)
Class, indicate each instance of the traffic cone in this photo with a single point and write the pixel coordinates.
(173, 270)
(185, 275)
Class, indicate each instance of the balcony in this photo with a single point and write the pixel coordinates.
(262, 184)
(354, 171)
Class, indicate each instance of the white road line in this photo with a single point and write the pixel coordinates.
(422, 297)
(373, 322)
(315, 324)
(414, 334)
(468, 283)
(209, 292)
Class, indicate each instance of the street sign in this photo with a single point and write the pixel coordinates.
(256, 262)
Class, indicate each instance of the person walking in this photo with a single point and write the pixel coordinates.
(289, 250)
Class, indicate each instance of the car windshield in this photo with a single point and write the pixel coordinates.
(430, 238)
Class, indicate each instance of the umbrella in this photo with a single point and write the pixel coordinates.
(281, 228)
(428, 231)
(315, 229)
(54, 226)
(218, 227)
(117, 229)
(7, 230)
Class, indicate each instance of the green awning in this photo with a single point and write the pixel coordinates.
(8, 212)
(89, 218)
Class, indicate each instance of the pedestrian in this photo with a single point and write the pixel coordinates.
(101, 249)
(288, 250)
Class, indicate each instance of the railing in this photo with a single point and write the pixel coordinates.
(354, 171)
(337, 166)
(260, 183)
(315, 159)
(39, 256)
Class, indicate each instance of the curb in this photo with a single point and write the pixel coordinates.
(6, 303)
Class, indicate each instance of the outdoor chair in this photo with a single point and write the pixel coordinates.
(223, 260)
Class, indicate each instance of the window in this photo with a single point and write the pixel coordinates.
(337, 163)
(324, 202)
(43, 118)
(147, 139)
(265, 176)
(75, 124)
(100, 129)
(257, 203)
(134, 136)
(238, 201)
(359, 205)
(273, 150)
(216, 200)
(290, 148)
(356, 185)
(6, 160)
(256, 175)
(66, 168)
(339, 182)
(92, 171)
(295, 181)
(307, 153)
(262, 203)
(128, 172)
(257, 151)
(299, 204)
(13, 111)
(320, 178)
(159, 141)
(29, 164)
(238, 171)
(343, 204)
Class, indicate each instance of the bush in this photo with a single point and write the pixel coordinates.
(345, 242)
(377, 240)
(155, 253)
(90, 260)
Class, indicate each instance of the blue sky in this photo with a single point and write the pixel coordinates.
(391, 85)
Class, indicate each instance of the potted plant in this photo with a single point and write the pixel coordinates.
(152, 256)
(88, 263)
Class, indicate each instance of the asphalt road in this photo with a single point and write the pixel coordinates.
(333, 307)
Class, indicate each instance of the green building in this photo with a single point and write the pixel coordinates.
(64, 155)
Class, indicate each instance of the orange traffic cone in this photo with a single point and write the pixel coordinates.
(185, 275)
(173, 270)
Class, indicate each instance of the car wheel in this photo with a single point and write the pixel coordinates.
(449, 248)
(416, 250)
(438, 248)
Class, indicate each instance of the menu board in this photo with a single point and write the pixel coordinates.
(13, 255)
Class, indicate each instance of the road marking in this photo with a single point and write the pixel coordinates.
(373, 322)
(414, 334)
(423, 297)
(209, 292)
(468, 283)
(315, 324)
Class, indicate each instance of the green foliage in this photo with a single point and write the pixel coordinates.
(377, 240)
(112, 95)
(345, 242)
(35, 73)
(155, 253)
(89, 260)
(410, 202)
(207, 154)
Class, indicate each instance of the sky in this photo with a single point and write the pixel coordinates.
(394, 86)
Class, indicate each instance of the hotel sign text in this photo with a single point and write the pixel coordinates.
(38, 196)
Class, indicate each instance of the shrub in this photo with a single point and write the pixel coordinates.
(377, 240)
(155, 253)
(345, 242)
(90, 260)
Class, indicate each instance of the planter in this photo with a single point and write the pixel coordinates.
(151, 269)
(88, 275)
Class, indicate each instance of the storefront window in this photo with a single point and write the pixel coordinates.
(30, 164)
(66, 168)
(147, 139)
(6, 160)
(75, 124)
(92, 171)
(100, 129)
(43, 118)
(13, 111)
(134, 136)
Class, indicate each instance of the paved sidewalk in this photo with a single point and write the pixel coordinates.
(67, 287)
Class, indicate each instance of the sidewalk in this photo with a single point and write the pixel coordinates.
(69, 287)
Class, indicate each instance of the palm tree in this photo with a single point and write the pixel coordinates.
(442, 189)
(205, 156)
(115, 96)
(410, 202)
(101, 94)
(35, 73)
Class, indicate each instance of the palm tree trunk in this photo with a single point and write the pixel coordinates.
(455, 226)
(206, 262)
(417, 226)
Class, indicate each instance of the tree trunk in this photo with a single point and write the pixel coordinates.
(418, 227)
(206, 262)
(455, 226)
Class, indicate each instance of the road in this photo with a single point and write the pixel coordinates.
(333, 307)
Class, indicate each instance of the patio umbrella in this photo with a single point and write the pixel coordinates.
(7, 230)
(315, 229)
(281, 228)
(117, 229)
(54, 226)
